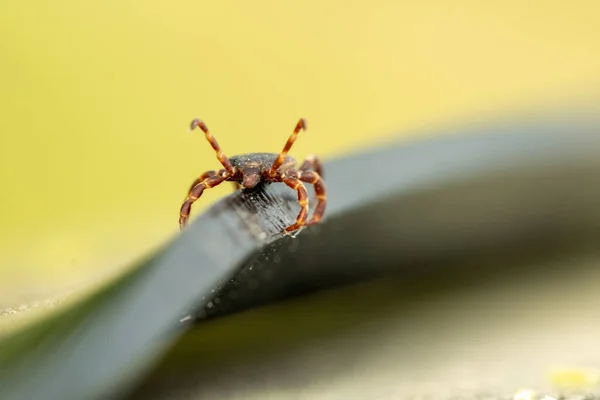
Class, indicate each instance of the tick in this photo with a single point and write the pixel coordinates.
(248, 170)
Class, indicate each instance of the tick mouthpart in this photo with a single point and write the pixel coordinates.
(251, 179)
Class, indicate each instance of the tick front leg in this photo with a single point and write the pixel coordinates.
(195, 194)
(298, 186)
(288, 145)
(315, 179)
(312, 162)
(197, 123)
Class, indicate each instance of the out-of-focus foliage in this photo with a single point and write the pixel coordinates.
(96, 98)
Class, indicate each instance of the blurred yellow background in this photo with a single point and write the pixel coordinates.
(96, 98)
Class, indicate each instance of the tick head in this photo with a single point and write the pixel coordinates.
(250, 177)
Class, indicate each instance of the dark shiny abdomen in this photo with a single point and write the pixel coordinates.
(259, 160)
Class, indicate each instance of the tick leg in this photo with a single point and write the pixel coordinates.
(195, 193)
(288, 145)
(315, 179)
(205, 175)
(201, 178)
(312, 162)
(298, 186)
(213, 142)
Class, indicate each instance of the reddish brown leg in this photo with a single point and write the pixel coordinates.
(312, 163)
(288, 145)
(205, 175)
(213, 142)
(195, 193)
(298, 186)
(201, 178)
(315, 179)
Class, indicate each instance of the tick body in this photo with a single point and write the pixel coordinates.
(248, 170)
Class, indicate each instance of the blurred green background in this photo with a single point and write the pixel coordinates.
(96, 98)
